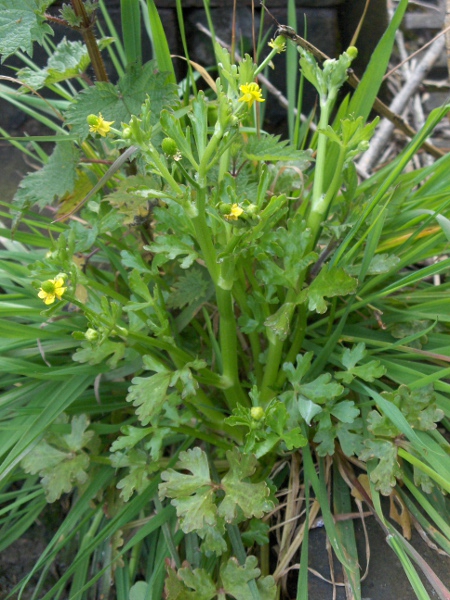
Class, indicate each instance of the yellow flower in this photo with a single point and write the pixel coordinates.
(252, 93)
(234, 214)
(97, 124)
(278, 44)
(52, 289)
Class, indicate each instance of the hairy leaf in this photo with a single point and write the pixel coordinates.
(55, 179)
(22, 23)
(118, 102)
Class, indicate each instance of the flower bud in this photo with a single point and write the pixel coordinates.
(352, 52)
(257, 413)
(169, 146)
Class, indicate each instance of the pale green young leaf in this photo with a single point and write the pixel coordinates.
(55, 179)
(96, 354)
(308, 409)
(321, 389)
(139, 471)
(254, 499)
(130, 437)
(189, 585)
(379, 263)
(213, 540)
(148, 395)
(384, 474)
(118, 102)
(21, 24)
(235, 580)
(345, 411)
(196, 511)
(177, 484)
(63, 477)
(329, 282)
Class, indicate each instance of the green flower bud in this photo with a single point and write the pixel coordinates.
(91, 335)
(126, 133)
(257, 413)
(169, 146)
(92, 120)
(352, 52)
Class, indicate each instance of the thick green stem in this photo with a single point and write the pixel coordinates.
(86, 29)
(228, 345)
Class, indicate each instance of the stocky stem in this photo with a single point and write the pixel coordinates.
(228, 333)
(90, 41)
(319, 206)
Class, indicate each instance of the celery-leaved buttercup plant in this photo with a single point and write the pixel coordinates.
(230, 298)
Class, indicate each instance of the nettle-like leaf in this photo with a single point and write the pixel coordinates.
(69, 59)
(131, 198)
(22, 23)
(187, 289)
(287, 249)
(385, 473)
(329, 282)
(270, 148)
(169, 247)
(118, 102)
(56, 178)
(368, 372)
(60, 459)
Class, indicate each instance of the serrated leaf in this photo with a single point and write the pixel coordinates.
(270, 148)
(22, 24)
(188, 289)
(329, 282)
(384, 474)
(78, 437)
(169, 247)
(69, 59)
(55, 179)
(131, 199)
(253, 499)
(118, 102)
